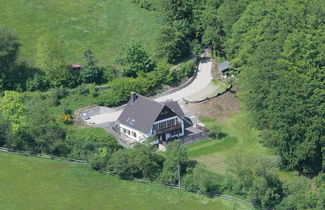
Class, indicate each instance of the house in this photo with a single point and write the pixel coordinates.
(223, 68)
(143, 118)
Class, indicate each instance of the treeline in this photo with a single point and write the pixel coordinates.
(29, 125)
(278, 48)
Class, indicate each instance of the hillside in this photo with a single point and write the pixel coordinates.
(48, 184)
(101, 26)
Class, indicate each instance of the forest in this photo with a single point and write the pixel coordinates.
(277, 53)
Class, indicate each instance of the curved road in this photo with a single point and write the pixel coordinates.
(201, 81)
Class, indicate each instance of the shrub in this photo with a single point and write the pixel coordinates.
(65, 118)
(202, 180)
(215, 132)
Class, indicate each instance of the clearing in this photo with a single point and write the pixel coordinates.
(101, 26)
(34, 183)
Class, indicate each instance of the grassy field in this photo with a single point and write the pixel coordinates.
(34, 183)
(100, 25)
(240, 137)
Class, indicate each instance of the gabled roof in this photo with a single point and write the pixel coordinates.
(222, 67)
(140, 112)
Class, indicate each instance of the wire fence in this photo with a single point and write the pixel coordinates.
(145, 181)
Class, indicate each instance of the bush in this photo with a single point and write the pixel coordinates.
(202, 180)
(140, 162)
(65, 118)
(215, 132)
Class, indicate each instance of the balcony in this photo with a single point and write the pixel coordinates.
(166, 130)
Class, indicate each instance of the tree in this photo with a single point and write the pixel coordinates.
(172, 44)
(176, 9)
(176, 156)
(9, 48)
(13, 109)
(135, 60)
(121, 164)
(202, 180)
(46, 136)
(301, 194)
(147, 161)
(281, 74)
(91, 73)
(50, 59)
(256, 177)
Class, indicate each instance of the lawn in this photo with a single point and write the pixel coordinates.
(103, 26)
(34, 183)
(240, 137)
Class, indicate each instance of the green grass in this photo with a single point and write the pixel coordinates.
(240, 137)
(103, 26)
(34, 183)
(211, 146)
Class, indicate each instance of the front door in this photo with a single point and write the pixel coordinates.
(163, 137)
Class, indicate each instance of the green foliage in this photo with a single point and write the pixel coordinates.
(176, 156)
(13, 109)
(172, 44)
(46, 136)
(135, 59)
(176, 9)
(86, 144)
(202, 180)
(120, 89)
(281, 77)
(9, 48)
(90, 73)
(215, 132)
(140, 162)
(300, 194)
(86, 188)
(256, 177)
(50, 59)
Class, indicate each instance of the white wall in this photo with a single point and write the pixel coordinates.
(140, 136)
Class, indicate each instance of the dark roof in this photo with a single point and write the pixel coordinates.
(174, 106)
(142, 113)
(225, 66)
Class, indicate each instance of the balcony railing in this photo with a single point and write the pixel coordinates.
(166, 130)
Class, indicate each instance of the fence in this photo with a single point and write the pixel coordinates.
(193, 138)
(32, 154)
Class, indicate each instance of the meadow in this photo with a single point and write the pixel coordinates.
(34, 183)
(103, 26)
(240, 137)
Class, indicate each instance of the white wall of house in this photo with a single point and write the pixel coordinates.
(140, 136)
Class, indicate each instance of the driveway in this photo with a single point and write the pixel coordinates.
(202, 80)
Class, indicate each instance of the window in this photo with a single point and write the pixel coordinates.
(129, 133)
(171, 123)
(124, 130)
(134, 134)
(155, 127)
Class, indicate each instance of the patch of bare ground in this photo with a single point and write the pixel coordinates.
(219, 108)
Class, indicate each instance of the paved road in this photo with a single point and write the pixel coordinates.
(201, 81)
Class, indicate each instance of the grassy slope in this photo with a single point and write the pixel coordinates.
(240, 137)
(100, 25)
(34, 183)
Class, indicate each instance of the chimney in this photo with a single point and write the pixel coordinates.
(134, 97)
